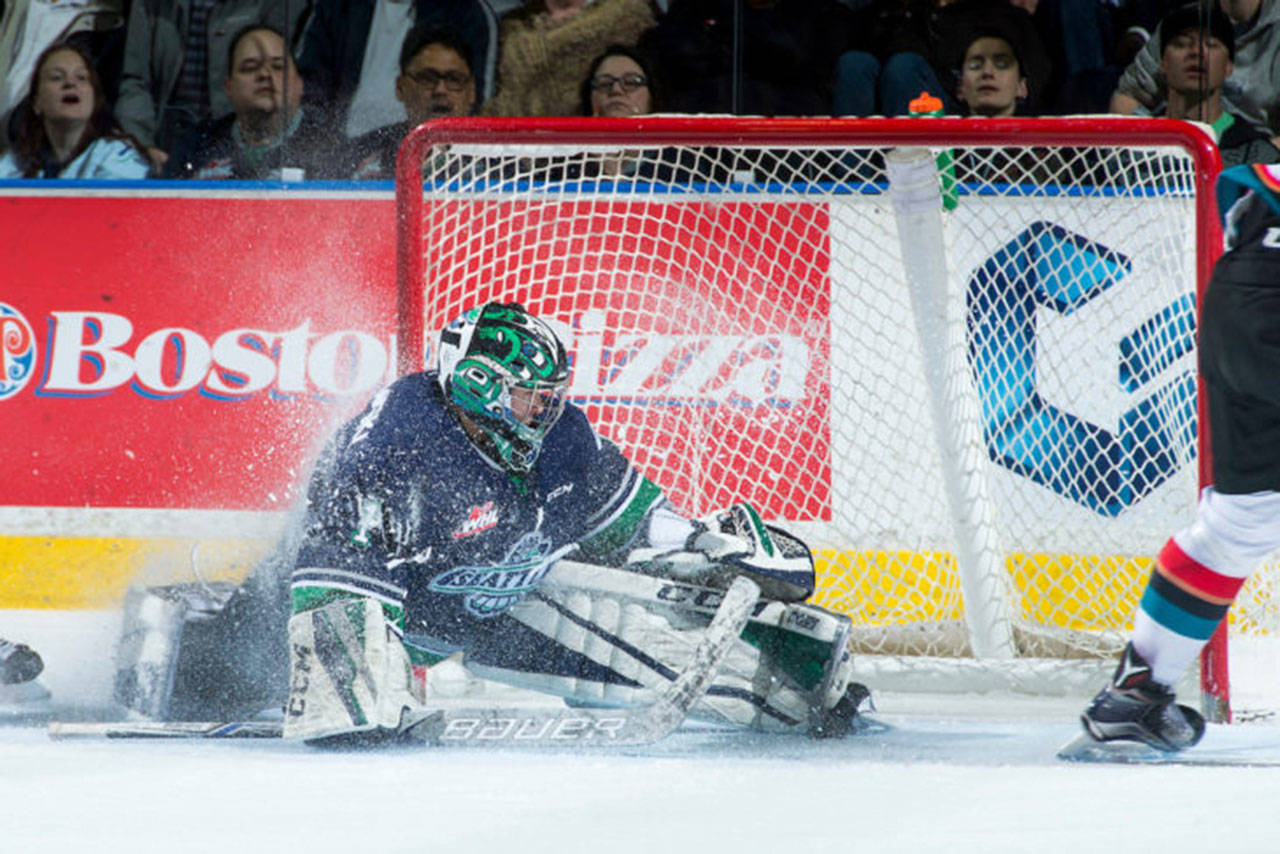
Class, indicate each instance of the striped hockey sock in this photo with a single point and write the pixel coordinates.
(1182, 606)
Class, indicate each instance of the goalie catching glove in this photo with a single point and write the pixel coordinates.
(735, 541)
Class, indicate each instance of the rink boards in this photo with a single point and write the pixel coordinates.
(181, 353)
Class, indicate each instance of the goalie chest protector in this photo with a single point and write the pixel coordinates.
(406, 508)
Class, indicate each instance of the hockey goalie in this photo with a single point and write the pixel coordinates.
(470, 510)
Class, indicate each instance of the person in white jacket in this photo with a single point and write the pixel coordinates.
(67, 130)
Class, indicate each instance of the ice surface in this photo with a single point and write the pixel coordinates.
(953, 775)
(929, 786)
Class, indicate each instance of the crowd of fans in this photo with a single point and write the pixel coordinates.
(326, 89)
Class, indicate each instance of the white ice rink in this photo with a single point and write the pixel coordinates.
(931, 785)
(973, 774)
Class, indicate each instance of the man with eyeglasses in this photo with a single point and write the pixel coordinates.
(349, 51)
(435, 80)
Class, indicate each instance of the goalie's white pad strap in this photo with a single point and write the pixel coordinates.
(348, 671)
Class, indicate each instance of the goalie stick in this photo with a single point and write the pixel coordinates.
(491, 727)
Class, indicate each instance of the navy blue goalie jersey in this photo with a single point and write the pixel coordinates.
(407, 510)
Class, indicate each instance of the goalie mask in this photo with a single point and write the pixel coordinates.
(507, 371)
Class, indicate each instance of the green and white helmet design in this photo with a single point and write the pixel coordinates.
(508, 372)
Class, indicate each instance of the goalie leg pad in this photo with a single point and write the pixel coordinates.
(349, 672)
(616, 637)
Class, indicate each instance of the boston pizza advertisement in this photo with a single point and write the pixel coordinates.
(169, 366)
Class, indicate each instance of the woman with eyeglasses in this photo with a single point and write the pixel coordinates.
(618, 83)
(66, 129)
(546, 47)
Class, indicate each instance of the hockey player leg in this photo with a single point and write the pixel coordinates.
(796, 658)
(1195, 579)
(350, 680)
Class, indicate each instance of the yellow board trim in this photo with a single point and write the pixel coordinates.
(875, 588)
(71, 573)
(885, 588)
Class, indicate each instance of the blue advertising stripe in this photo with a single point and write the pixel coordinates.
(1175, 619)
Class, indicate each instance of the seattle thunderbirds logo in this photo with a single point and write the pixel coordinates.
(490, 590)
(17, 351)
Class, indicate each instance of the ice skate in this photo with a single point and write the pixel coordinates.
(18, 663)
(1134, 707)
(844, 718)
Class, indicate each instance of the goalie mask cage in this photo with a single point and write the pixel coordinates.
(957, 356)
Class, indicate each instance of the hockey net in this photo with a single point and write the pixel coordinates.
(956, 356)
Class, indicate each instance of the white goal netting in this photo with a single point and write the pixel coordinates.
(975, 399)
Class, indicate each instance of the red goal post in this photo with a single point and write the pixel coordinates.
(738, 238)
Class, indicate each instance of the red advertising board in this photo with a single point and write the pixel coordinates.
(187, 350)
(701, 344)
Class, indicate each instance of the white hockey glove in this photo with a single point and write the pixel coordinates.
(735, 541)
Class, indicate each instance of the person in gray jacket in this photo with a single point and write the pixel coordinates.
(1253, 88)
(175, 63)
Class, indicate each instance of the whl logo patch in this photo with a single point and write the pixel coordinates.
(490, 590)
(481, 518)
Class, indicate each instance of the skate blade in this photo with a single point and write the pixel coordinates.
(1085, 748)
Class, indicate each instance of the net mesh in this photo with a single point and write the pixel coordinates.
(741, 327)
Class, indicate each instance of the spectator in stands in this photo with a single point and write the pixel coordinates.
(546, 47)
(1084, 51)
(1251, 90)
(1194, 64)
(621, 84)
(350, 49)
(991, 78)
(618, 83)
(786, 55)
(174, 63)
(910, 46)
(27, 28)
(991, 84)
(268, 131)
(436, 79)
(68, 132)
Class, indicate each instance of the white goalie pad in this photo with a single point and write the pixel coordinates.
(348, 672)
(644, 629)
